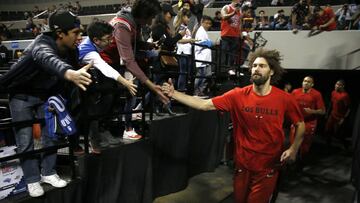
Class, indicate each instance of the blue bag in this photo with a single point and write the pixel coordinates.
(57, 118)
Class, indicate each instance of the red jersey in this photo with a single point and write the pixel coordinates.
(231, 26)
(311, 99)
(328, 15)
(258, 124)
(340, 103)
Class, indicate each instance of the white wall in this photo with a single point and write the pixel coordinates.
(328, 50)
(270, 11)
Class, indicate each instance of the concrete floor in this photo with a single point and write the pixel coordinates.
(206, 187)
(324, 180)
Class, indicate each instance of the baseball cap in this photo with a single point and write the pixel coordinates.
(63, 20)
(168, 8)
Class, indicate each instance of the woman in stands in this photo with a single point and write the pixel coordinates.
(183, 47)
(166, 40)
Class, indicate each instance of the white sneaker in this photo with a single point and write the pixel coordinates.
(35, 189)
(54, 180)
(232, 72)
(131, 135)
(136, 116)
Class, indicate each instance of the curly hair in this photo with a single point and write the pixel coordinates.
(273, 58)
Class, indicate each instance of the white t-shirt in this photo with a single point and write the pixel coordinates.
(202, 53)
(184, 48)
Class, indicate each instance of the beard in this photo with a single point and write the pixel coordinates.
(258, 79)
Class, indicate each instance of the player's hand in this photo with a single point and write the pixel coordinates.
(164, 99)
(81, 77)
(288, 156)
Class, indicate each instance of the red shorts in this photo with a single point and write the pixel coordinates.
(310, 128)
(250, 186)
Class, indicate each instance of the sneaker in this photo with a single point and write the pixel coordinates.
(104, 144)
(232, 72)
(109, 138)
(99, 142)
(94, 148)
(136, 116)
(131, 135)
(54, 180)
(115, 119)
(35, 189)
(170, 111)
(158, 112)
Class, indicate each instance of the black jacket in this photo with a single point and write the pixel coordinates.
(39, 72)
(161, 31)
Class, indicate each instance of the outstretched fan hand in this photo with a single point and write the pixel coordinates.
(81, 77)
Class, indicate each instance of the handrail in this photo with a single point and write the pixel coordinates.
(32, 152)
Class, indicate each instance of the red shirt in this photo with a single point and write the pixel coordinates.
(258, 124)
(312, 99)
(231, 26)
(340, 102)
(328, 15)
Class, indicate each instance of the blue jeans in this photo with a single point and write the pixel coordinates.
(130, 104)
(184, 66)
(200, 83)
(29, 109)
